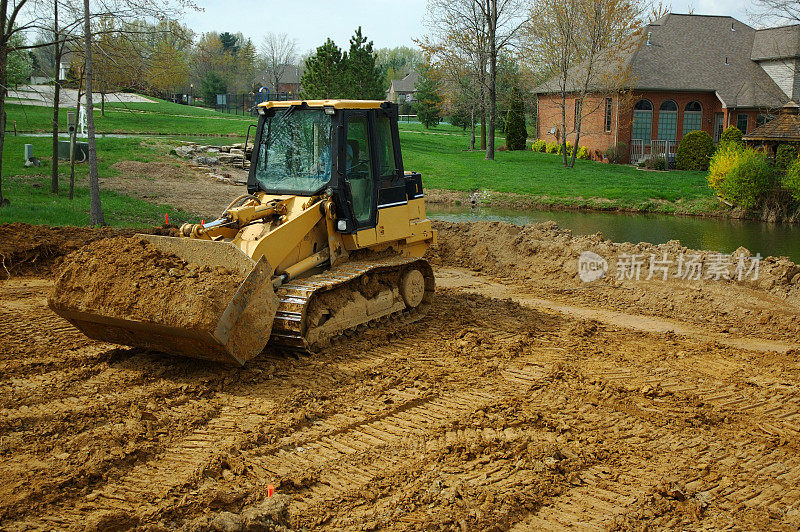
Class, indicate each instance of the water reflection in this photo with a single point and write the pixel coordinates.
(698, 233)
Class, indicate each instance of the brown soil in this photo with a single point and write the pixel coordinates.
(544, 259)
(504, 409)
(130, 278)
(175, 182)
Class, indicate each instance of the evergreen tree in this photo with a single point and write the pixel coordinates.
(323, 74)
(428, 98)
(363, 78)
(516, 133)
(212, 85)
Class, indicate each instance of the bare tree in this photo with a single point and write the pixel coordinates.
(278, 53)
(585, 44)
(775, 11)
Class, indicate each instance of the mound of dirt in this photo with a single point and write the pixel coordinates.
(37, 249)
(130, 278)
(546, 257)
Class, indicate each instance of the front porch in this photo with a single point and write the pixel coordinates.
(643, 149)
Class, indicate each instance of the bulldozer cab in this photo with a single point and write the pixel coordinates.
(350, 149)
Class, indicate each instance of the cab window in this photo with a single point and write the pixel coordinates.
(359, 168)
(386, 164)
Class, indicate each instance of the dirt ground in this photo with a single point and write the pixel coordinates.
(527, 400)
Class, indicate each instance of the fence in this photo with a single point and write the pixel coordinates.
(239, 104)
(642, 149)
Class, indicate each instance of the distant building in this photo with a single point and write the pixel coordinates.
(403, 90)
(289, 83)
(689, 72)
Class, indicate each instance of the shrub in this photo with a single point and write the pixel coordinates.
(561, 148)
(616, 153)
(791, 181)
(553, 148)
(722, 162)
(654, 163)
(516, 132)
(539, 145)
(742, 176)
(583, 153)
(694, 151)
(731, 135)
(785, 155)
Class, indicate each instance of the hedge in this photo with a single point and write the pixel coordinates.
(694, 151)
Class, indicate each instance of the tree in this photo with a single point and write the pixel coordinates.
(212, 84)
(584, 44)
(168, 70)
(480, 30)
(363, 79)
(278, 55)
(775, 11)
(428, 98)
(398, 62)
(95, 209)
(516, 132)
(322, 75)
(20, 63)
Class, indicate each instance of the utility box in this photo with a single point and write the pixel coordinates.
(28, 152)
(81, 151)
(70, 124)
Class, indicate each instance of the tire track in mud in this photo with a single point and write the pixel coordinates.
(339, 459)
(154, 485)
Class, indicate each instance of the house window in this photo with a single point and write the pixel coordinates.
(692, 117)
(608, 115)
(577, 112)
(762, 119)
(741, 122)
(667, 120)
(642, 120)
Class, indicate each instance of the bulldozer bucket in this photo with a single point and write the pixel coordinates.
(240, 333)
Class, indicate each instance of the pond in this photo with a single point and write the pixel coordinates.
(715, 234)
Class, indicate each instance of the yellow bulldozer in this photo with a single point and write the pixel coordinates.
(329, 238)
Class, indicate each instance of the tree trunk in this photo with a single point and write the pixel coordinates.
(578, 121)
(102, 104)
(492, 27)
(95, 209)
(56, 103)
(3, 90)
(483, 128)
(472, 128)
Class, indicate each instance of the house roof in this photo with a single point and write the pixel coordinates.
(776, 43)
(699, 53)
(406, 84)
(786, 126)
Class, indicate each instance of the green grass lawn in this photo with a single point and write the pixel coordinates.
(28, 189)
(445, 163)
(440, 154)
(159, 118)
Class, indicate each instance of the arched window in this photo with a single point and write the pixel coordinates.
(692, 117)
(642, 121)
(667, 120)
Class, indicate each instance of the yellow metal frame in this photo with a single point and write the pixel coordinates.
(336, 104)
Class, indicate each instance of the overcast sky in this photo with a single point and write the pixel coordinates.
(386, 22)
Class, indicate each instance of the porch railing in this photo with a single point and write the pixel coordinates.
(643, 149)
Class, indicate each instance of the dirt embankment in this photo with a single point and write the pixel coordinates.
(545, 259)
(38, 249)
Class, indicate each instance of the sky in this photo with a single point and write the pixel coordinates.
(388, 23)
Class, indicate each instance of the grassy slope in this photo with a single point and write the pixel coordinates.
(31, 201)
(446, 164)
(158, 118)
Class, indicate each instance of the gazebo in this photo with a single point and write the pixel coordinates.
(783, 129)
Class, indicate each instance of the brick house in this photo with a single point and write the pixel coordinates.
(688, 72)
